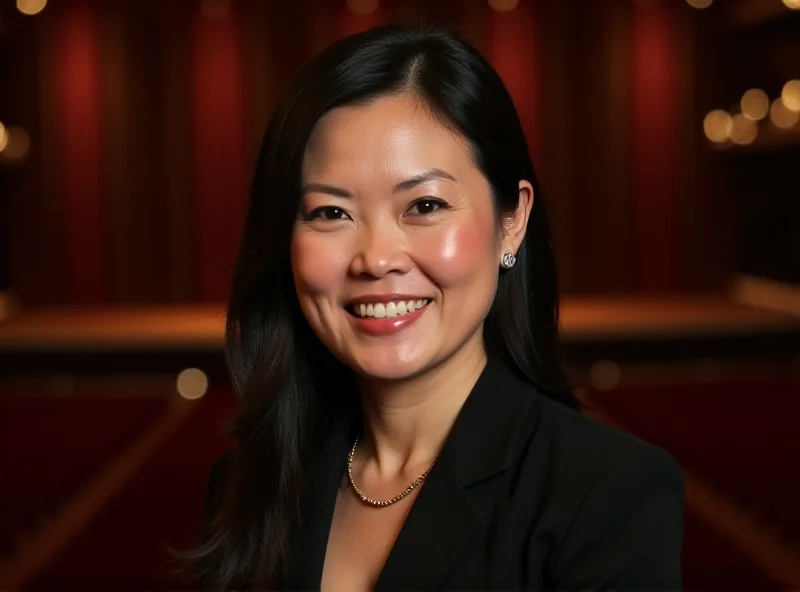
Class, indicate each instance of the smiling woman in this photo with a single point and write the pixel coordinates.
(404, 422)
(409, 225)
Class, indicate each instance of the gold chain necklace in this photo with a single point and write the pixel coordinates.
(382, 503)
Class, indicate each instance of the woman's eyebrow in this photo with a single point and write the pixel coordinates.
(325, 188)
(404, 185)
(430, 175)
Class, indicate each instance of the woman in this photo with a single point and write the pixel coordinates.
(392, 334)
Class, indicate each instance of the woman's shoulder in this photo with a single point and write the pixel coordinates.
(612, 492)
(584, 442)
(580, 430)
(596, 460)
(548, 438)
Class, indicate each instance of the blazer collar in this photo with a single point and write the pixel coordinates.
(480, 445)
(483, 438)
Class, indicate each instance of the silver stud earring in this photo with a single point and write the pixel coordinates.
(508, 261)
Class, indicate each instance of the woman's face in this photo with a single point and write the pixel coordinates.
(396, 251)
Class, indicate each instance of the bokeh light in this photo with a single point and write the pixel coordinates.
(503, 5)
(192, 383)
(699, 3)
(605, 375)
(31, 7)
(744, 130)
(362, 7)
(3, 137)
(717, 126)
(755, 104)
(15, 143)
(782, 116)
(791, 95)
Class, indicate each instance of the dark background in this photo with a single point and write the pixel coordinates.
(132, 128)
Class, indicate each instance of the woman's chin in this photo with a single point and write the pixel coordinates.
(388, 369)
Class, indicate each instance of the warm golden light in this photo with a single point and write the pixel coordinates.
(791, 94)
(31, 7)
(743, 130)
(3, 137)
(192, 383)
(755, 104)
(215, 10)
(793, 4)
(362, 7)
(717, 126)
(16, 144)
(503, 5)
(699, 3)
(782, 116)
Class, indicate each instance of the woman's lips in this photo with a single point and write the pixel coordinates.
(386, 317)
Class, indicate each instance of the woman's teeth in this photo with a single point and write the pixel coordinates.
(388, 310)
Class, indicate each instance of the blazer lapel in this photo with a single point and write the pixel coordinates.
(481, 444)
(438, 524)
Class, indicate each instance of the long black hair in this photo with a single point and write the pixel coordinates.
(280, 370)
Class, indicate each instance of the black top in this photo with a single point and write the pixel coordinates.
(526, 494)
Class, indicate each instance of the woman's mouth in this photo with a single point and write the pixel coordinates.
(383, 317)
(387, 310)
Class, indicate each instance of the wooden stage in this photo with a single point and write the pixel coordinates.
(623, 329)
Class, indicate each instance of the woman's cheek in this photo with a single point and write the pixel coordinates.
(456, 254)
(319, 264)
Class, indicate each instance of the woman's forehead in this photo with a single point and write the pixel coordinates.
(390, 132)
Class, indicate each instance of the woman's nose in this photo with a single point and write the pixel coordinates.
(380, 252)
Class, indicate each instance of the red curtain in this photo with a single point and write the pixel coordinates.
(220, 165)
(78, 124)
(655, 140)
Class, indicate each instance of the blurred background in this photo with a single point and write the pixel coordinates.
(667, 142)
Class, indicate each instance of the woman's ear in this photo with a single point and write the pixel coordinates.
(515, 223)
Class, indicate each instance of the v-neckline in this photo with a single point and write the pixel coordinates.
(443, 514)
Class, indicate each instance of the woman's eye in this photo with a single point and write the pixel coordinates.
(423, 207)
(327, 213)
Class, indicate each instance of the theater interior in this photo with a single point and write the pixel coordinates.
(666, 136)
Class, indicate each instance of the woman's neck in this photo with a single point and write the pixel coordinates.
(407, 422)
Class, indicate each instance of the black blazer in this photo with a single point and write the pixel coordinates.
(526, 494)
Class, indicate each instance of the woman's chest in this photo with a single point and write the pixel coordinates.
(497, 551)
(497, 534)
(360, 540)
